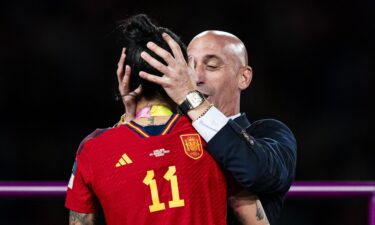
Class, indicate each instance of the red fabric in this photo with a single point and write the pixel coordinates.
(124, 196)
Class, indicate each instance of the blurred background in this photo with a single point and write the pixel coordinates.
(313, 65)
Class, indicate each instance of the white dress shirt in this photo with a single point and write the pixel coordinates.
(211, 122)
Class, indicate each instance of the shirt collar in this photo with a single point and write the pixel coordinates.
(234, 116)
(241, 119)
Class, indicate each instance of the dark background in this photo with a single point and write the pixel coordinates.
(313, 69)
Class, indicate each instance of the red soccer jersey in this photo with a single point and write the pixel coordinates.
(138, 178)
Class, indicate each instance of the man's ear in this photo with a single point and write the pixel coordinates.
(245, 77)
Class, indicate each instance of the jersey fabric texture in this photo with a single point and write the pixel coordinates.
(158, 175)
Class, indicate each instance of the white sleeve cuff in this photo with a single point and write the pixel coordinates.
(210, 123)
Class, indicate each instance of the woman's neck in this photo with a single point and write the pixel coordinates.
(145, 117)
(142, 103)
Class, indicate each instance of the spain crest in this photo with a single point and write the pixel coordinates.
(192, 145)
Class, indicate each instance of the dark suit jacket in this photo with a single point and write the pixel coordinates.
(261, 157)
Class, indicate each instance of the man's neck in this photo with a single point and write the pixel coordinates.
(230, 112)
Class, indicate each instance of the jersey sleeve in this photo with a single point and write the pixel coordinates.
(80, 196)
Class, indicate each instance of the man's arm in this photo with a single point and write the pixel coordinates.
(76, 218)
(261, 158)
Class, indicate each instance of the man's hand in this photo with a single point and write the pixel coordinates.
(178, 79)
(128, 97)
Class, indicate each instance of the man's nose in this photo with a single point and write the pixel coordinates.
(199, 75)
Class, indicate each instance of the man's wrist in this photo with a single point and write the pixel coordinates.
(192, 100)
(198, 112)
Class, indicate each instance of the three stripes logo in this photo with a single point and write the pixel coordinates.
(124, 160)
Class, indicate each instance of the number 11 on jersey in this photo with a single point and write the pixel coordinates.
(170, 176)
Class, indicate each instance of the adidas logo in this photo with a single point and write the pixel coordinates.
(124, 160)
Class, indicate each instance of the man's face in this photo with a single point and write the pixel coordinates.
(217, 71)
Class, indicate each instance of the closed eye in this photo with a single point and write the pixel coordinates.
(211, 67)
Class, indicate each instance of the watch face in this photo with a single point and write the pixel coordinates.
(195, 99)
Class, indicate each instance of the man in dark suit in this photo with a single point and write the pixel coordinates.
(260, 157)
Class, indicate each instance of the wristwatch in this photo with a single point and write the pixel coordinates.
(192, 100)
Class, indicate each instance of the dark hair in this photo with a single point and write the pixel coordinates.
(136, 32)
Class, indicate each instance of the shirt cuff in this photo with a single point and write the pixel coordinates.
(210, 123)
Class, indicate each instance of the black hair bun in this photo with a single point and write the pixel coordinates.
(139, 29)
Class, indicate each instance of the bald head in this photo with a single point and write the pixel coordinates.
(221, 68)
(229, 43)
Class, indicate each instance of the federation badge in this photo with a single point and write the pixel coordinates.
(192, 145)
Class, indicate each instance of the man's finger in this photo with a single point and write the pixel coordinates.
(176, 49)
(152, 78)
(154, 63)
(168, 58)
(191, 62)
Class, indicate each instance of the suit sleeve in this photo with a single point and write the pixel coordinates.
(261, 158)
